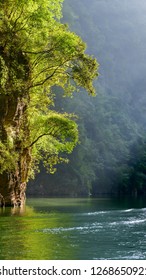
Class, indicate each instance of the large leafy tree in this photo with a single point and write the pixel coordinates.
(37, 53)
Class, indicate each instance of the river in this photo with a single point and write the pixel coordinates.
(74, 229)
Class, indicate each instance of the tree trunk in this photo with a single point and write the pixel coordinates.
(12, 192)
(13, 124)
(15, 74)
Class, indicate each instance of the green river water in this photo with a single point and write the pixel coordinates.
(74, 229)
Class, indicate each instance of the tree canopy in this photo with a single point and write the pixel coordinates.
(38, 53)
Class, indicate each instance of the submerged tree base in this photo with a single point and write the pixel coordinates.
(11, 193)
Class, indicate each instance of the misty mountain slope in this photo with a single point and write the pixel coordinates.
(113, 124)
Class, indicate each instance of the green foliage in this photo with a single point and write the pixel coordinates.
(113, 124)
(7, 157)
(51, 136)
(4, 74)
(37, 52)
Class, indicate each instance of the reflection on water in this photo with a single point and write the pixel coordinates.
(74, 229)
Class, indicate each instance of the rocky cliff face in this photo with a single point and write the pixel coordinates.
(13, 181)
(14, 98)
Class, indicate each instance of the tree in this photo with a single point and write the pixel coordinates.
(37, 52)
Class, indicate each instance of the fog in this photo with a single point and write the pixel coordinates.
(111, 157)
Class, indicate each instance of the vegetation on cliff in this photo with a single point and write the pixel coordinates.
(37, 54)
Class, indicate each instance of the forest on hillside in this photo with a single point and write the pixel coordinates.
(111, 156)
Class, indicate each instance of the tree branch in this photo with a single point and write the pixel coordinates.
(40, 136)
(41, 83)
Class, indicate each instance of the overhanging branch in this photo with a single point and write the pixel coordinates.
(36, 140)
